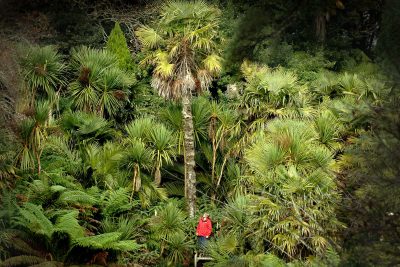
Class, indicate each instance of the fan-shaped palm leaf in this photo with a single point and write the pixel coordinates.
(149, 37)
(140, 129)
(42, 69)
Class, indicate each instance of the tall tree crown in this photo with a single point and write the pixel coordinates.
(183, 48)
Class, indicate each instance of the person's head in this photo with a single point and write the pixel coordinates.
(205, 216)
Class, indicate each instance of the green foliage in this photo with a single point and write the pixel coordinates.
(296, 196)
(116, 202)
(85, 127)
(77, 197)
(183, 48)
(168, 230)
(116, 44)
(310, 139)
(372, 175)
(107, 241)
(7, 154)
(328, 128)
(43, 71)
(130, 227)
(273, 93)
(100, 84)
(308, 65)
(68, 223)
(32, 218)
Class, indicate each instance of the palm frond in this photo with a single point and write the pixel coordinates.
(149, 37)
(168, 222)
(42, 69)
(140, 128)
(130, 227)
(213, 63)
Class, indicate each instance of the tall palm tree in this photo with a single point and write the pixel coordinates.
(184, 53)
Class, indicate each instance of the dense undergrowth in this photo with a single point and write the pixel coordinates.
(289, 148)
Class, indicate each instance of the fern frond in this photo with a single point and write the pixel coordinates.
(116, 202)
(68, 223)
(124, 245)
(77, 197)
(32, 218)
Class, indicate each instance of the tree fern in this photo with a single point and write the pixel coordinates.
(116, 202)
(32, 217)
(130, 227)
(77, 197)
(107, 241)
(98, 241)
(68, 223)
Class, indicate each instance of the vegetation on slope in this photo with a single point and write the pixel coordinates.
(290, 144)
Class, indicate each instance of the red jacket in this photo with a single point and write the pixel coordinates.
(204, 228)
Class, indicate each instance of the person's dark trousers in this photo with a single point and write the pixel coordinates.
(202, 242)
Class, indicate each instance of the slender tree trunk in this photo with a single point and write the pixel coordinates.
(190, 175)
(320, 27)
(213, 131)
(38, 162)
(136, 181)
(157, 175)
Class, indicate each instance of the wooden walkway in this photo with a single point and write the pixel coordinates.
(200, 257)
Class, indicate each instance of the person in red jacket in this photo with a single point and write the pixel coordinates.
(203, 231)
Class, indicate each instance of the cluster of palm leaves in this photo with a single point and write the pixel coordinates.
(266, 164)
(100, 85)
(42, 70)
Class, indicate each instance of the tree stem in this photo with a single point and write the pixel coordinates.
(190, 175)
